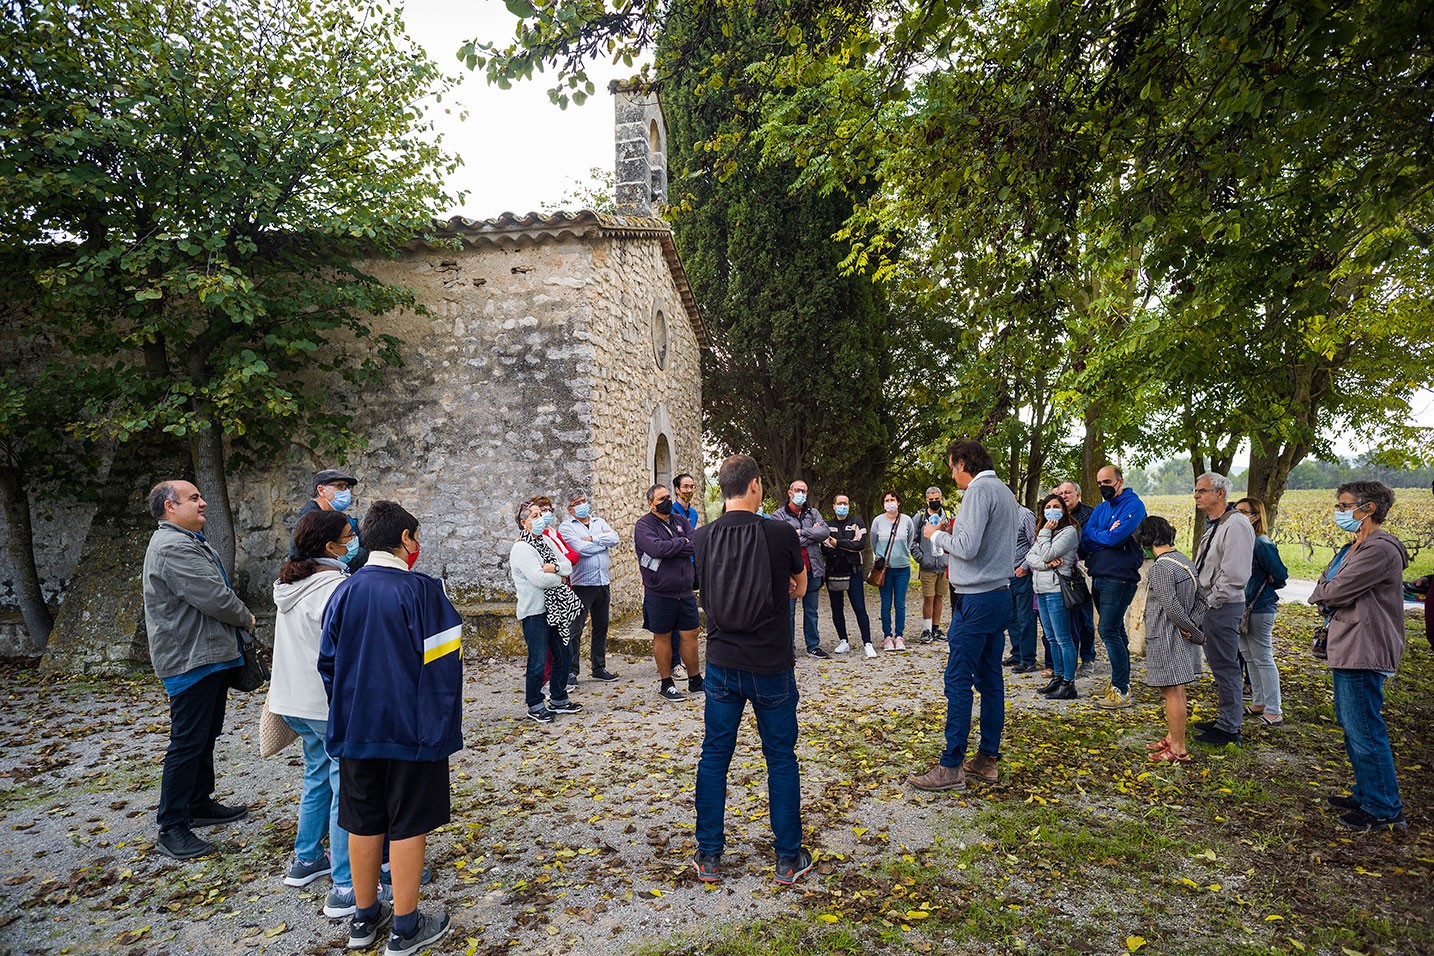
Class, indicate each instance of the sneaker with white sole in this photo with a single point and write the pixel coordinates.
(340, 901)
(1113, 699)
(670, 692)
(430, 929)
(900, 644)
(793, 868)
(868, 650)
(890, 645)
(363, 932)
(304, 872)
(841, 648)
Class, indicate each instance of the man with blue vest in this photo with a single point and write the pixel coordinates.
(390, 656)
(1112, 557)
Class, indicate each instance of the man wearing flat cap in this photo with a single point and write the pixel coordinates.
(333, 491)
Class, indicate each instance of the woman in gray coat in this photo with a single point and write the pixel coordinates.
(1172, 659)
(1361, 594)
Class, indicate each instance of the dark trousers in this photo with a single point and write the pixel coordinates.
(1083, 631)
(1022, 628)
(973, 661)
(196, 716)
(597, 601)
(858, 607)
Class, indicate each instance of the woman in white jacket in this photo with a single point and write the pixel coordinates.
(1051, 558)
(547, 608)
(324, 542)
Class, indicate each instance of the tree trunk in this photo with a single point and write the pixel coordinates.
(1092, 453)
(206, 450)
(1270, 467)
(20, 546)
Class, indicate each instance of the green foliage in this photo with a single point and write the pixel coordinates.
(208, 176)
(795, 376)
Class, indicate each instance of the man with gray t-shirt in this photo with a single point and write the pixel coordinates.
(978, 543)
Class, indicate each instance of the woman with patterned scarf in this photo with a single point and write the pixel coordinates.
(547, 608)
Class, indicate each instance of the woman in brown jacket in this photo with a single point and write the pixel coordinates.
(1361, 595)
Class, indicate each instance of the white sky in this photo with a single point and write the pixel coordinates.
(522, 153)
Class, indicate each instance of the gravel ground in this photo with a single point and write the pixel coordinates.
(575, 835)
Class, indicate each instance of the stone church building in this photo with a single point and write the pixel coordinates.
(561, 354)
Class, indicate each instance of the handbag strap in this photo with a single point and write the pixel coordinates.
(891, 542)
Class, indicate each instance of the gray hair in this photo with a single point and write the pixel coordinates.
(933, 490)
(1072, 483)
(1218, 483)
(158, 495)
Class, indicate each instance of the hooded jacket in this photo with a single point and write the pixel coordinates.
(295, 689)
(1111, 552)
(1365, 604)
(391, 660)
(191, 613)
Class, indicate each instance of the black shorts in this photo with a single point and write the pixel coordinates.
(402, 798)
(663, 615)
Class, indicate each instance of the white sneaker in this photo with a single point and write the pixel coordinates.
(870, 650)
(842, 647)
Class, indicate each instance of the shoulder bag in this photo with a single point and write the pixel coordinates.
(877, 577)
(1249, 606)
(1197, 607)
(253, 673)
(1074, 590)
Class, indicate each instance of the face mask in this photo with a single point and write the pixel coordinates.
(1106, 492)
(1347, 520)
(413, 555)
(353, 549)
(1053, 514)
(891, 507)
(799, 498)
(341, 500)
(583, 510)
(664, 507)
(539, 523)
(934, 504)
(842, 510)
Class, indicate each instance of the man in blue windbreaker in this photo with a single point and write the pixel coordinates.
(1113, 558)
(391, 660)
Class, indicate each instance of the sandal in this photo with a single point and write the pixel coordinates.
(1267, 721)
(1162, 744)
(1254, 710)
(1170, 756)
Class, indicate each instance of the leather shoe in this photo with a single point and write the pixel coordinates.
(180, 843)
(1055, 683)
(982, 767)
(939, 778)
(1215, 737)
(214, 814)
(1067, 691)
(1338, 801)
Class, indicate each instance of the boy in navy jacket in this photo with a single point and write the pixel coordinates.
(391, 661)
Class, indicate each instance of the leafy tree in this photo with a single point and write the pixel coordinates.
(210, 175)
(797, 339)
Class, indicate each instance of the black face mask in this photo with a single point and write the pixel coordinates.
(664, 507)
(934, 505)
(1106, 492)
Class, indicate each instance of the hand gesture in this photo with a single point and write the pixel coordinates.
(550, 568)
(1051, 525)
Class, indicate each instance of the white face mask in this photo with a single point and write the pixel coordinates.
(892, 506)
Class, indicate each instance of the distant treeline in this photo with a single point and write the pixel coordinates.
(1174, 477)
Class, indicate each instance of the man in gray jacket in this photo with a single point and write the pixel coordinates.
(1223, 562)
(193, 618)
(811, 531)
(978, 543)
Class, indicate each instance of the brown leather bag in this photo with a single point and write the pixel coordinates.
(877, 576)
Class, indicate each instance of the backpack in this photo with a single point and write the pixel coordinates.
(736, 568)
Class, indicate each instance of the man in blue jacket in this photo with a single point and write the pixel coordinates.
(391, 660)
(1113, 558)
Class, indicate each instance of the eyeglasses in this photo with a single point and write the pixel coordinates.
(1244, 511)
(1349, 505)
(1204, 491)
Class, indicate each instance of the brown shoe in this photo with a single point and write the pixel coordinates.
(939, 778)
(982, 768)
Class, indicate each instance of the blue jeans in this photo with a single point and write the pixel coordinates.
(319, 802)
(1112, 598)
(810, 602)
(1258, 649)
(1082, 621)
(1023, 619)
(1359, 708)
(976, 637)
(1056, 619)
(542, 640)
(858, 607)
(774, 702)
(893, 592)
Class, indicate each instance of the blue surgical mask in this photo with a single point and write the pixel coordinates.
(1347, 520)
(353, 549)
(1053, 514)
(540, 522)
(341, 500)
(583, 510)
(799, 498)
(842, 510)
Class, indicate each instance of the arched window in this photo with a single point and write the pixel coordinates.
(659, 338)
(662, 462)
